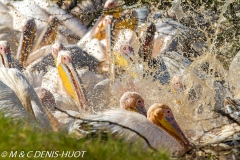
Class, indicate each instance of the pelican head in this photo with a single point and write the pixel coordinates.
(56, 47)
(132, 101)
(124, 54)
(26, 41)
(127, 51)
(162, 116)
(110, 4)
(64, 57)
(5, 54)
(70, 79)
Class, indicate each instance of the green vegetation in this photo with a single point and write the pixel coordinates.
(21, 137)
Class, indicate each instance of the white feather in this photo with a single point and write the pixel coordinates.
(35, 78)
(25, 92)
(10, 105)
(158, 138)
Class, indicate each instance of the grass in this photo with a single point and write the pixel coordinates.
(19, 137)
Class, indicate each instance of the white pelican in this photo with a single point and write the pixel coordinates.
(26, 11)
(131, 101)
(70, 79)
(48, 101)
(163, 41)
(159, 40)
(96, 40)
(28, 30)
(45, 57)
(7, 59)
(6, 19)
(41, 10)
(26, 40)
(10, 104)
(46, 98)
(51, 80)
(5, 54)
(10, 35)
(25, 93)
(160, 129)
(41, 48)
(24, 98)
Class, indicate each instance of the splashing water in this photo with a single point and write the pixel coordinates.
(197, 42)
(205, 82)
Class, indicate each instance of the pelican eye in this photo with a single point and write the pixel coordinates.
(111, 4)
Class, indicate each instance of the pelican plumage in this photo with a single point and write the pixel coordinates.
(11, 105)
(28, 98)
(41, 10)
(70, 79)
(7, 59)
(51, 79)
(26, 40)
(5, 54)
(131, 101)
(10, 35)
(6, 18)
(46, 56)
(28, 33)
(160, 128)
(29, 14)
(96, 40)
(63, 82)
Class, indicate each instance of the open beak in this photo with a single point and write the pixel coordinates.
(109, 56)
(72, 83)
(145, 51)
(97, 27)
(141, 109)
(26, 41)
(48, 35)
(171, 126)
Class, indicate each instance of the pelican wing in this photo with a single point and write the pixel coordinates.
(10, 105)
(42, 64)
(157, 137)
(26, 94)
(35, 78)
